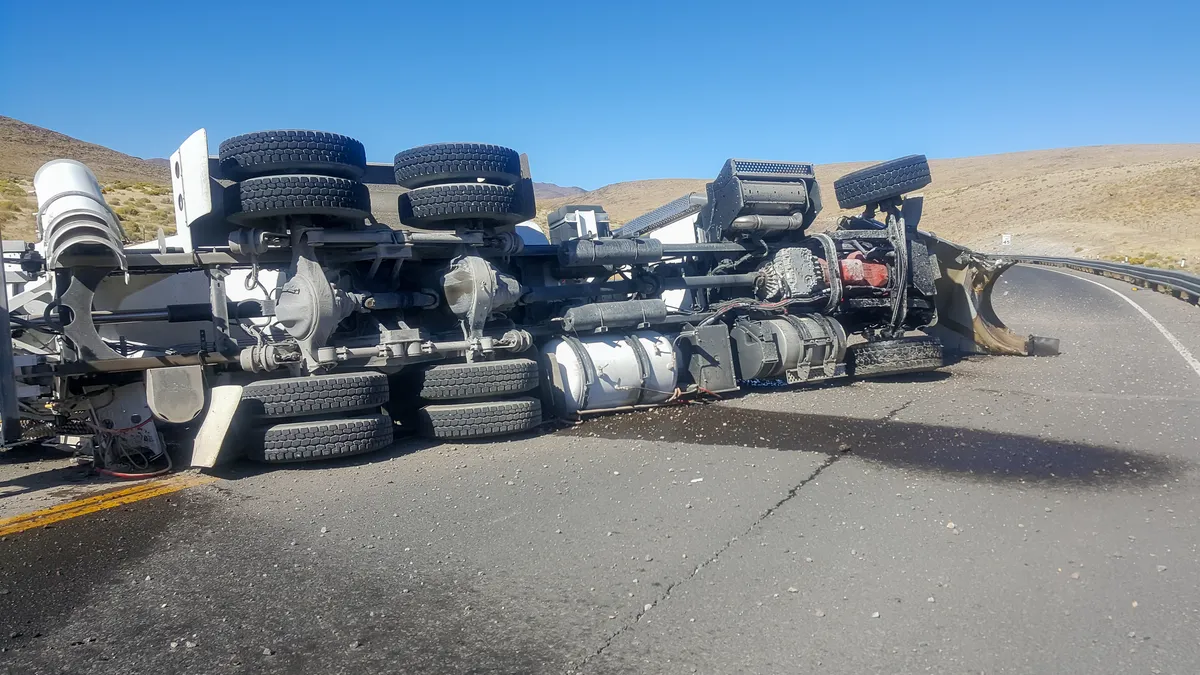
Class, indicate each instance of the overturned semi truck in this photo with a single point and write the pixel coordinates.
(286, 320)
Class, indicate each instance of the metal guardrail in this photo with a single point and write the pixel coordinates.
(1182, 285)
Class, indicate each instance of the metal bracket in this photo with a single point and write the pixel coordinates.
(220, 310)
(835, 270)
(80, 329)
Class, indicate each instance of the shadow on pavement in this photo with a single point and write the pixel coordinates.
(52, 474)
(978, 455)
(178, 586)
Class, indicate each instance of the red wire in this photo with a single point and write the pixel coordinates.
(132, 476)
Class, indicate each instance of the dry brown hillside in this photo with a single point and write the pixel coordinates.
(139, 190)
(1094, 201)
(25, 147)
(1117, 200)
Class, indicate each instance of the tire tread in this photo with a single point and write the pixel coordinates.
(882, 181)
(463, 421)
(322, 439)
(301, 194)
(452, 162)
(472, 380)
(897, 357)
(318, 394)
(460, 201)
(290, 151)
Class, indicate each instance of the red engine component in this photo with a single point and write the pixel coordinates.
(858, 272)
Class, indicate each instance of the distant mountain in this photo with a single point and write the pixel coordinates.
(625, 201)
(552, 191)
(25, 147)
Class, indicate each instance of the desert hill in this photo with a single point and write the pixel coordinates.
(1141, 201)
(1114, 200)
(551, 191)
(25, 147)
(139, 190)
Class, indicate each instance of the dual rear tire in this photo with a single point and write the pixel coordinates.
(462, 184)
(295, 172)
(463, 401)
(333, 415)
(297, 419)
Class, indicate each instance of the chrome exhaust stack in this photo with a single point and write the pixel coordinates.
(73, 216)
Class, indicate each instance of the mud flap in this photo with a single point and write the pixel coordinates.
(223, 403)
(965, 318)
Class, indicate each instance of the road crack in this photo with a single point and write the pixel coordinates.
(892, 414)
(666, 594)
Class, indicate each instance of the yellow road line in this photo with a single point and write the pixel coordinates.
(81, 507)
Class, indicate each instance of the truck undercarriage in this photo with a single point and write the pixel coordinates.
(284, 321)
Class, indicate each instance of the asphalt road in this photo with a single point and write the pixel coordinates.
(1010, 515)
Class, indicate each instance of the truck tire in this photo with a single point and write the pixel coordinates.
(271, 196)
(896, 357)
(456, 163)
(461, 421)
(882, 181)
(472, 380)
(320, 439)
(315, 394)
(285, 151)
(460, 201)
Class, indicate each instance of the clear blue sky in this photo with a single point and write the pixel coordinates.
(598, 92)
